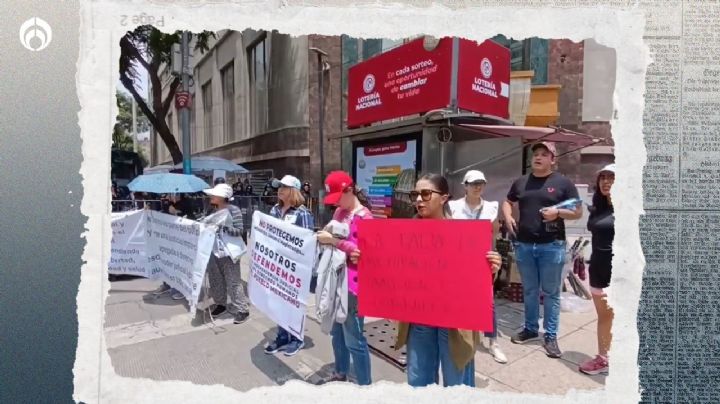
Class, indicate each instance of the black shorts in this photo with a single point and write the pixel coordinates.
(600, 269)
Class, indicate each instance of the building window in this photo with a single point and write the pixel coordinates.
(528, 54)
(257, 62)
(228, 92)
(207, 113)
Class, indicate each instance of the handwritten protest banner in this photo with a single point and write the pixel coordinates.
(430, 272)
(282, 259)
(127, 255)
(159, 246)
(179, 250)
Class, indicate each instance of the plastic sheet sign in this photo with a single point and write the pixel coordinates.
(429, 272)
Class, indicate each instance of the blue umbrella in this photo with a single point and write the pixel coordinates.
(167, 183)
(212, 163)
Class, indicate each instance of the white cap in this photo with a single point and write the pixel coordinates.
(221, 190)
(474, 176)
(608, 168)
(288, 181)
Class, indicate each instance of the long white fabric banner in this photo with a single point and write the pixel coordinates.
(283, 256)
(159, 246)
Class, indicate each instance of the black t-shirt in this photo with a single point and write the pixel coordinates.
(534, 193)
(602, 226)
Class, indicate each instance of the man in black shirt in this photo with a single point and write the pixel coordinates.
(540, 242)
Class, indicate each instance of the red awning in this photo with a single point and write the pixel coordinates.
(532, 134)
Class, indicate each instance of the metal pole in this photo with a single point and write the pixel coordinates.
(321, 123)
(134, 125)
(185, 112)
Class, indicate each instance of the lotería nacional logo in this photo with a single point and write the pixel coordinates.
(486, 68)
(35, 34)
(369, 83)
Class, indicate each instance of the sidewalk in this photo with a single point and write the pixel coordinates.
(157, 338)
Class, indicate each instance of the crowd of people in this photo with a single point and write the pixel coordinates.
(538, 237)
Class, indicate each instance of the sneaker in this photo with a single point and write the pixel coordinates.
(524, 336)
(164, 288)
(275, 347)
(218, 310)
(595, 366)
(177, 295)
(496, 352)
(241, 318)
(551, 348)
(294, 347)
(332, 379)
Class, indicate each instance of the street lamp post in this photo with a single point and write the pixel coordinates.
(321, 124)
(185, 111)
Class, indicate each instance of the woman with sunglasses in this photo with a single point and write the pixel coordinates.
(347, 338)
(430, 348)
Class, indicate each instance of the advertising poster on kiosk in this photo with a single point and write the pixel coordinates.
(377, 168)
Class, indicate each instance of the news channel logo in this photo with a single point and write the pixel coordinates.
(35, 34)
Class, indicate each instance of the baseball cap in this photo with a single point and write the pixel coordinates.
(335, 184)
(287, 181)
(610, 168)
(221, 190)
(550, 146)
(474, 176)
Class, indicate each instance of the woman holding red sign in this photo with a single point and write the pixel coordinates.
(432, 348)
(347, 338)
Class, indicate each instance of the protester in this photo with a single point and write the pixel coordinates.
(219, 180)
(223, 273)
(289, 208)
(540, 242)
(182, 206)
(430, 348)
(348, 338)
(601, 224)
(248, 187)
(473, 206)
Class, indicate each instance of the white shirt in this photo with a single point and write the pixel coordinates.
(460, 210)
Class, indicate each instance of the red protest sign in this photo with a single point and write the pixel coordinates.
(430, 272)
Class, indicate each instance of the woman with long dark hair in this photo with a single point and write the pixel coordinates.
(432, 348)
(601, 224)
(347, 338)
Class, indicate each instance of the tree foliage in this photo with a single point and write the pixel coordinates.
(148, 49)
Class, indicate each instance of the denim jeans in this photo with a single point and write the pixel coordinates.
(348, 340)
(493, 334)
(541, 266)
(428, 349)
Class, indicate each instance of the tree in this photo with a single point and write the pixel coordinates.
(121, 135)
(148, 48)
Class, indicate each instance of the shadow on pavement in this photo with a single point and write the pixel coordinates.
(271, 365)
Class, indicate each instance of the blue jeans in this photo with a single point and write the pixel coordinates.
(493, 334)
(428, 349)
(284, 337)
(541, 266)
(348, 340)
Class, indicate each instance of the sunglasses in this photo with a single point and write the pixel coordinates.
(425, 194)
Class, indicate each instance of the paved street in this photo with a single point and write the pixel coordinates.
(157, 338)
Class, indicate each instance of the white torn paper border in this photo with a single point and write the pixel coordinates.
(101, 29)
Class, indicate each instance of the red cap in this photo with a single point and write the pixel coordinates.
(335, 184)
(550, 146)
